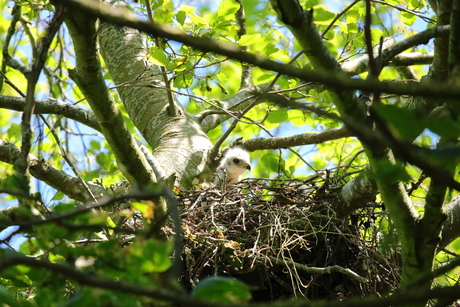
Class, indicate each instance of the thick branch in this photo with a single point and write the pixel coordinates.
(53, 106)
(122, 17)
(88, 76)
(361, 64)
(451, 229)
(89, 280)
(357, 192)
(44, 171)
(402, 297)
(180, 146)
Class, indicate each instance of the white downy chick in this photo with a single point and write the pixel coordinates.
(234, 163)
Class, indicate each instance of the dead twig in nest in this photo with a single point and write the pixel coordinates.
(283, 238)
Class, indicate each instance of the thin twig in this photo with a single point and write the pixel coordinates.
(338, 16)
(21, 164)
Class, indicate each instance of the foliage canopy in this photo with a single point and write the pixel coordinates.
(114, 116)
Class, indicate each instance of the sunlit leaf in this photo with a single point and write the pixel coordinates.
(58, 196)
(95, 145)
(180, 17)
(158, 57)
(277, 116)
(227, 7)
(184, 80)
(248, 39)
(322, 16)
(197, 19)
(408, 18)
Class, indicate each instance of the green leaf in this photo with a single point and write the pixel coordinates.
(7, 298)
(297, 117)
(95, 145)
(184, 81)
(103, 160)
(264, 78)
(408, 18)
(311, 3)
(249, 39)
(197, 20)
(14, 131)
(142, 207)
(151, 256)
(277, 116)
(398, 119)
(321, 16)
(222, 290)
(270, 49)
(13, 181)
(156, 3)
(272, 162)
(158, 57)
(180, 17)
(352, 16)
(227, 7)
(18, 278)
(58, 196)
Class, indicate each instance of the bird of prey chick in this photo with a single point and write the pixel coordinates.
(234, 163)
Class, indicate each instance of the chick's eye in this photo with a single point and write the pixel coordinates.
(236, 161)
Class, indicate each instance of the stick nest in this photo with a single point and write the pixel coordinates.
(283, 238)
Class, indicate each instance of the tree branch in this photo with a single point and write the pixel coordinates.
(246, 73)
(123, 17)
(44, 171)
(361, 64)
(396, 299)
(88, 76)
(53, 106)
(12, 259)
(296, 140)
(451, 229)
(179, 144)
(21, 164)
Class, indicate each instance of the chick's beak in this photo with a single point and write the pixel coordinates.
(248, 167)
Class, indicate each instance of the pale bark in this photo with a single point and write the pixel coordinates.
(180, 146)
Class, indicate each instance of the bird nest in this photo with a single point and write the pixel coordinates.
(283, 238)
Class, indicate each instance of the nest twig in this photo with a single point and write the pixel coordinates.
(283, 238)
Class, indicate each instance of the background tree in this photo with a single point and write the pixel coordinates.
(118, 108)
